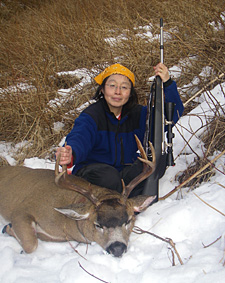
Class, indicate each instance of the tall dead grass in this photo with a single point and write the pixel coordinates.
(41, 38)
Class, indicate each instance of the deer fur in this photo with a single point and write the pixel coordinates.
(40, 206)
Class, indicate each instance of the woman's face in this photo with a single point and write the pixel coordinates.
(117, 92)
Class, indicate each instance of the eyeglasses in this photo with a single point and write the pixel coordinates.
(122, 88)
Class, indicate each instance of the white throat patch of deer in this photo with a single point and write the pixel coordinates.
(58, 207)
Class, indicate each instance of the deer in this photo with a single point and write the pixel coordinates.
(59, 207)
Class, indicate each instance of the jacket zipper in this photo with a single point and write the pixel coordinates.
(116, 138)
(122, 152)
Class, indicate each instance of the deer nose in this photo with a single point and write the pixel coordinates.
(117, 249)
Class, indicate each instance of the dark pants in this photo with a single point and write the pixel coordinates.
(107, 176)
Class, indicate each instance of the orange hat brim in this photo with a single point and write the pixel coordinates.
(115, 69)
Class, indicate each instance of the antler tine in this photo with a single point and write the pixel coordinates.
(71, 186)
(58, 174)
(67, 184)
(148, 168)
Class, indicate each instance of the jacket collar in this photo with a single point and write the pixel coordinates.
(125, 109)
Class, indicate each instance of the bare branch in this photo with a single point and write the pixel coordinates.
(203, 89)
(193, 176)
(138, 230)
(75, 250)
(212, 242)
(91, 274)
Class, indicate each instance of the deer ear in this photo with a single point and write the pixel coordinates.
(140, 203)
(71, 213)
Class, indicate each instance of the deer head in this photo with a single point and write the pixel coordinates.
(110, 218)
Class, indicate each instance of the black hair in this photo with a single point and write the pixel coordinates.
(133, 99)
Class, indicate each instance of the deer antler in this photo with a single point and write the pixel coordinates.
(62, 180)
(148, 168)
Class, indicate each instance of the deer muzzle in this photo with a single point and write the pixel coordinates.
(117, 249)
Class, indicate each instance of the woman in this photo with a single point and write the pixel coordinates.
(101, 144)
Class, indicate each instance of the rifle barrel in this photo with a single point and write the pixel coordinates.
(162, 93)
(161, 40)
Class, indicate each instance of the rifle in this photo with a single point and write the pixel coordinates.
(155, 129)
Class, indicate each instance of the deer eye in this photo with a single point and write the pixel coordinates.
(98, 226)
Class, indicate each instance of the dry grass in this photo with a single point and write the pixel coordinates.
(215, 135)
(41, 38)
(213, 139)
(192, 169)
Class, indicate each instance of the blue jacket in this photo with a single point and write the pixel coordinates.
(99, 137)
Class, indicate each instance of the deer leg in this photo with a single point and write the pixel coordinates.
(23, 229)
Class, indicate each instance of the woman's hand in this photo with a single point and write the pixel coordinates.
(162, 71)
(66, 154)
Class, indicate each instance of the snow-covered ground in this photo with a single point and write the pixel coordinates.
(189, 222)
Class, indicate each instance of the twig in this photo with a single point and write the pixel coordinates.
(76, 251)
(212, 242)
(204, 88)
(192, 177)
(170, 241)
(92, 274)
(222, 259)
(138, 230)
(220, 185)
(67, 239)
(213, 165)
(173, 257)
(208, 204)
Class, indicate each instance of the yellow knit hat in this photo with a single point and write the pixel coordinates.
(115, 69)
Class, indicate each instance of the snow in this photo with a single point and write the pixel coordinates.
(189, 222)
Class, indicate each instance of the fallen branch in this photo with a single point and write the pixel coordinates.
(91, 274)
(192, 177)
(138, 230)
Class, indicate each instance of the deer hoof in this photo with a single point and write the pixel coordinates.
(6, 227)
